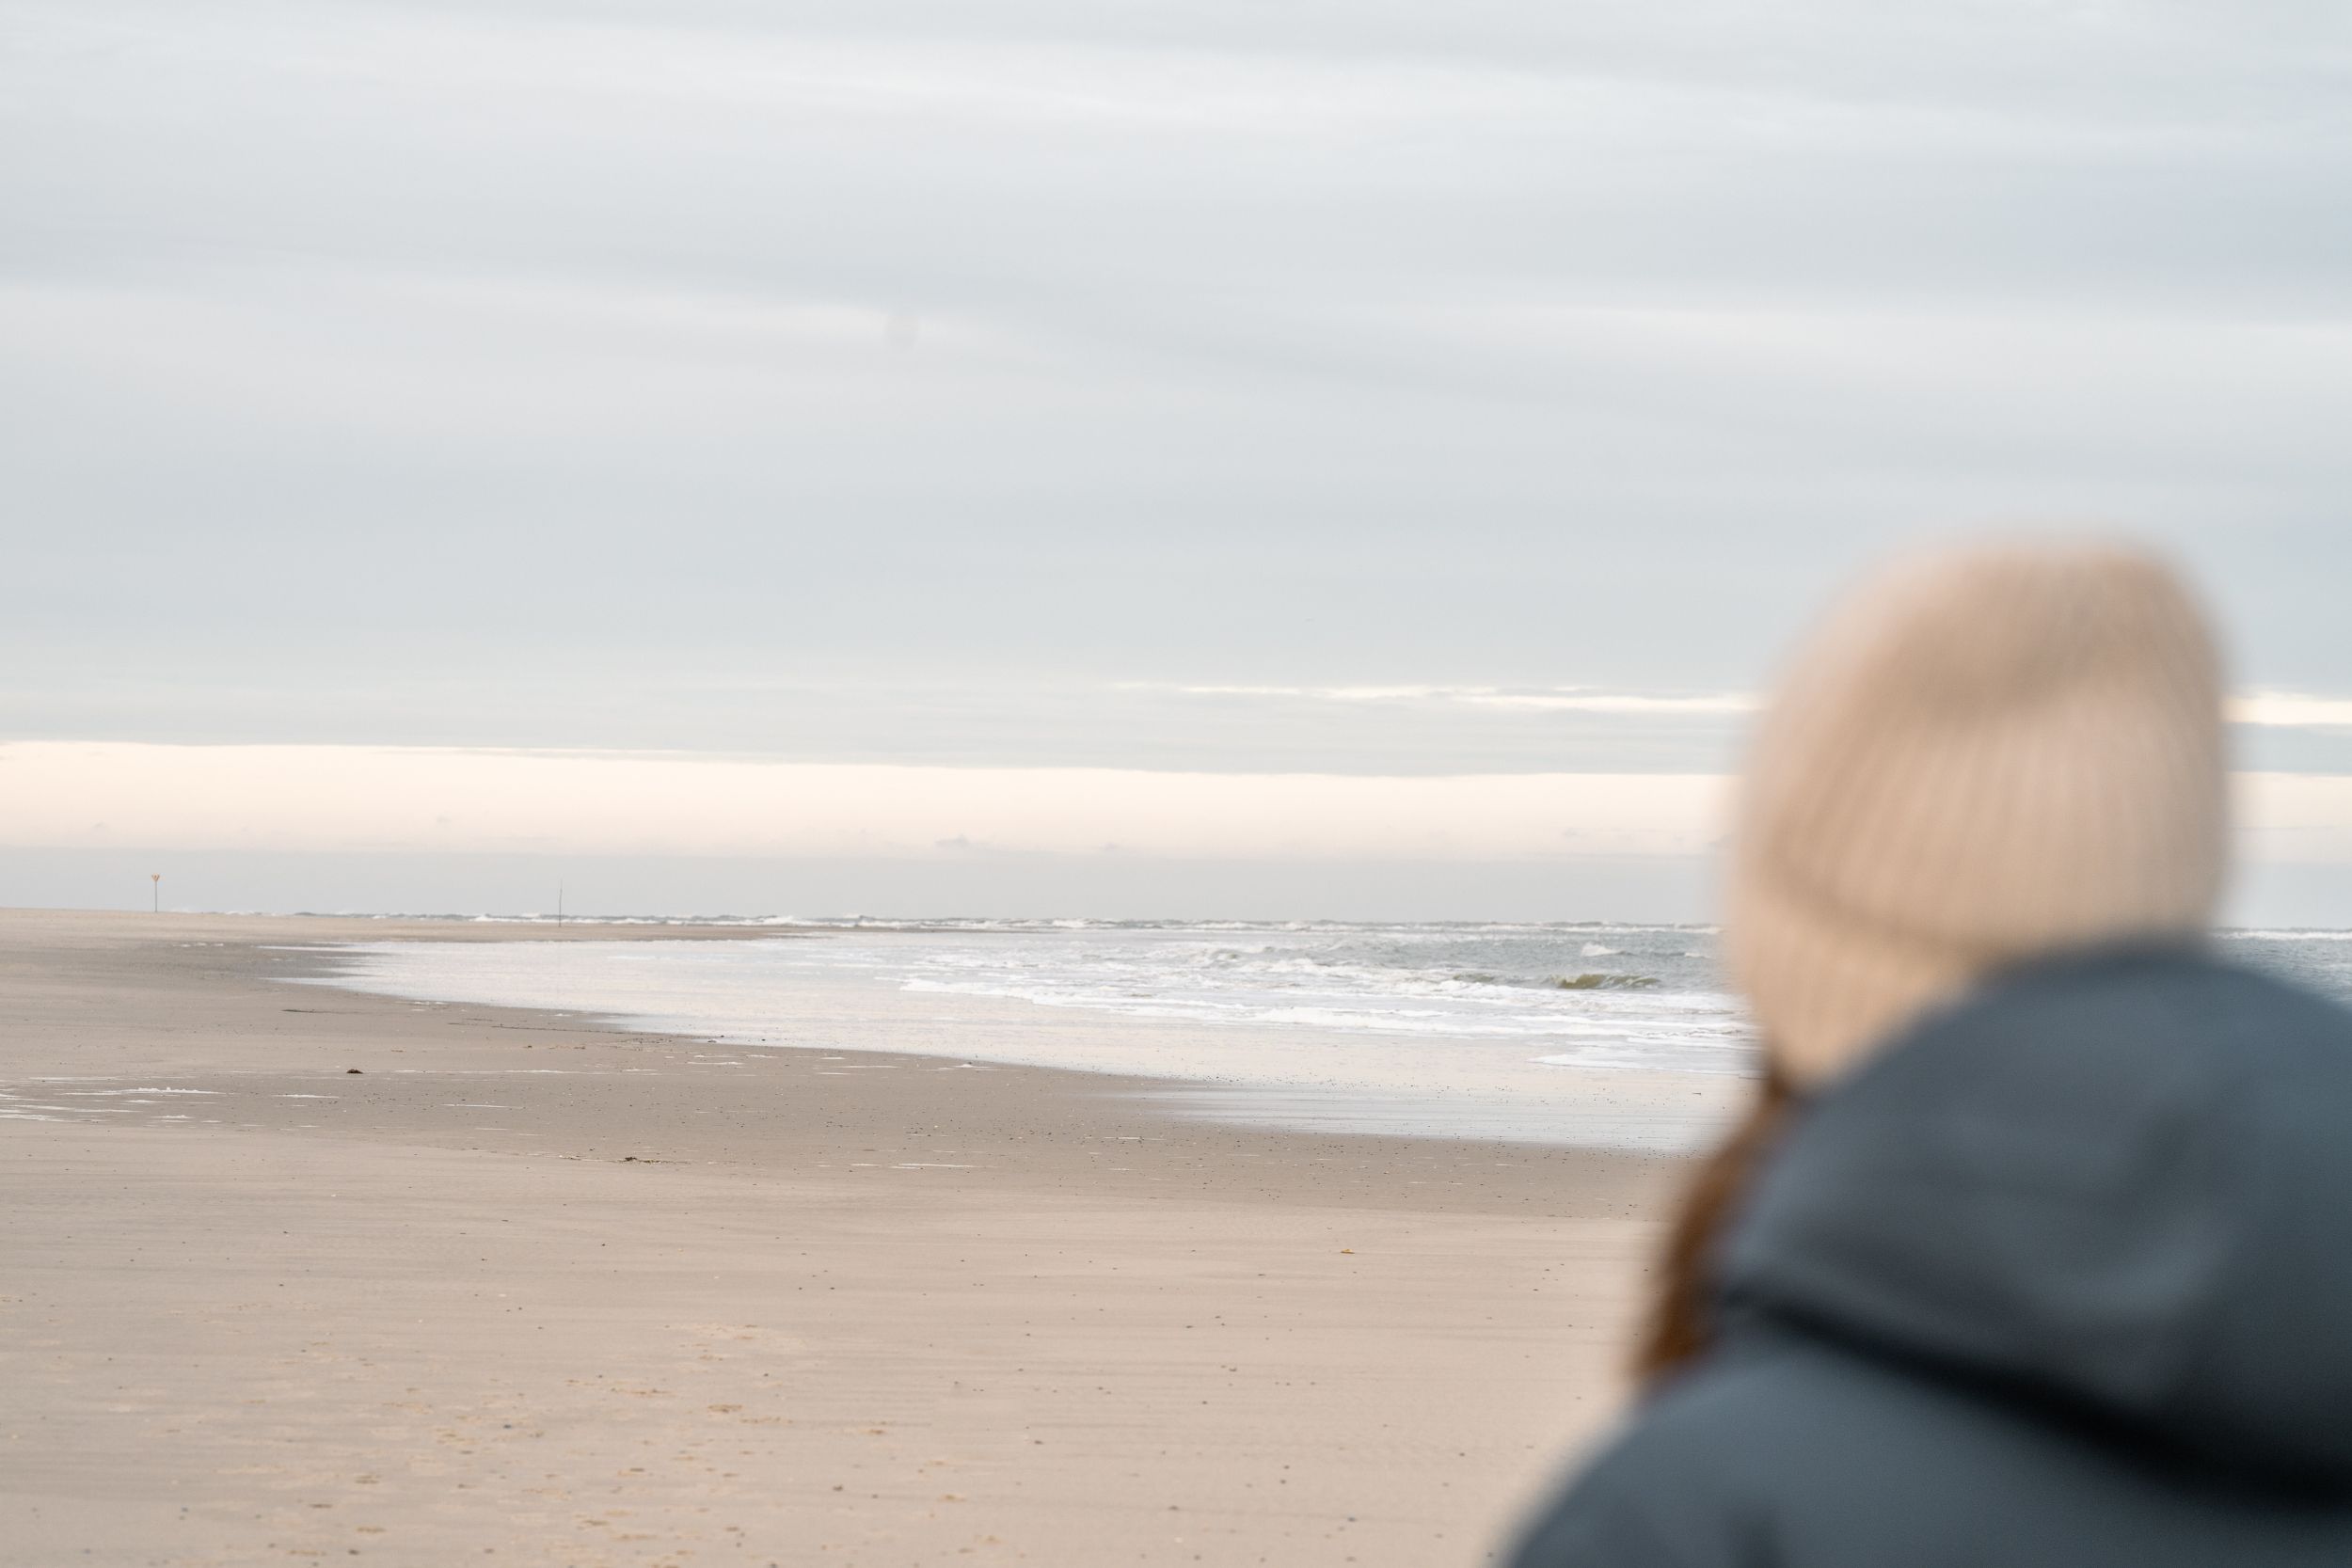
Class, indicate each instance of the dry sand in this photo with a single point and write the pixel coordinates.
(527, 1288)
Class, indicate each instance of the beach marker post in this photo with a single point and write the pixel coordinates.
(156, 889)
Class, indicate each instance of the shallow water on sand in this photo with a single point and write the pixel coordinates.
(1616, 1034)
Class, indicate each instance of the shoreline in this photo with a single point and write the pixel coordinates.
(880, 992)
(1255, 1304)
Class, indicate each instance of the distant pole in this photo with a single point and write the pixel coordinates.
(155, 888)
(559, 903)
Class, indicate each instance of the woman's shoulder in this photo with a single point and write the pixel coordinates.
(1687, 1478)
(1784, 1450)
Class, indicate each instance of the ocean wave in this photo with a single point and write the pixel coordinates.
(936, 924)
(1592, 981)
(2289, 935)
(1588, 980)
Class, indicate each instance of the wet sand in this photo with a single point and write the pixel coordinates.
(529, 1289)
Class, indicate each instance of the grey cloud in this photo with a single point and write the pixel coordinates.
(469, 372)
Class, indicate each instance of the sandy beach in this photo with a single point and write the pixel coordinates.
(528, 1288)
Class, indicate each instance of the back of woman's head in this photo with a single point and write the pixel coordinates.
(1980, 756)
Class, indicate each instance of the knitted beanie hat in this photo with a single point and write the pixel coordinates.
(1984, 755)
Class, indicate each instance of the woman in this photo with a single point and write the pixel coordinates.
(2037, 1248)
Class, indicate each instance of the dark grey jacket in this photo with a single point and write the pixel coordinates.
(2062, 1277)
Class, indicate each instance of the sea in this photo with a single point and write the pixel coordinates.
(1605, 1033)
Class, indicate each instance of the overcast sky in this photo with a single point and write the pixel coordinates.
(1338, 387)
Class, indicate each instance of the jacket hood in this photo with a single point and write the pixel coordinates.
(2120, 1186)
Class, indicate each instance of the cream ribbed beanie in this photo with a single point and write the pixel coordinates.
(1984, 755)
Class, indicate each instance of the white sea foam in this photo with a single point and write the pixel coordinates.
(140, 1091)
(1432, 1028)
(1497, 1029)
